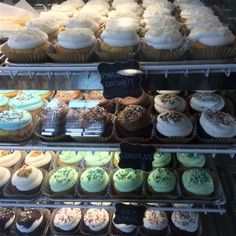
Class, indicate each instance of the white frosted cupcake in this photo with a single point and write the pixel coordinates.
(9, 159)
(132, 6)
(168, 91)
(65, 9)
(5, 175)
(122, 23)
(77, 4)
(124, 228)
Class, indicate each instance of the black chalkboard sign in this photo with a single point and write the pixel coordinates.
(129, 214)
(117, 84)
(136, 156)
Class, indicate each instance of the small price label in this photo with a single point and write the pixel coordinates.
(129, 214)
(136, 156)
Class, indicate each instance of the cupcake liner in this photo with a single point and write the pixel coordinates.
(214, 197)
(114, 56)
(116, 232)
(151, 54)
(174, 194)
(41, 231)
(213, 53)
(40, 56)
(87, 231)
(69, 57)
(57, 232)
(10, 191)
(99, 195)
(46, 190)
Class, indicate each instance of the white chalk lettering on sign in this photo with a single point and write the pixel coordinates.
(121, 83)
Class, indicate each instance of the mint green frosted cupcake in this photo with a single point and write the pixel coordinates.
(161, 180)
(191, 159)
(161, 159)
(70, 158)
(97, 159)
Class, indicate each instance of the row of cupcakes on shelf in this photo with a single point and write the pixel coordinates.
(92, 221)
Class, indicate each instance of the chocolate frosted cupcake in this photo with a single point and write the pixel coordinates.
(7, 217)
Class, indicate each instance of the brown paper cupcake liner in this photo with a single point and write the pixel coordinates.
(72, 57)
(10, 191)
(114, 56)
(58, 232)
(151, 54)
(42, 230)
(174, 194)
(24, 58)
(214, 197)
(176, 139)
(46, 190)
(84, 194)
(116, 232)
(85, 230)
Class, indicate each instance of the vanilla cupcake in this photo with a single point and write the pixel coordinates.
(5, 175)
(65, 9)
(26, 46)
(9, 159)
(74, 45)
(77, 4)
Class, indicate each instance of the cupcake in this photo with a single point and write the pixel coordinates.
(27, 180)
(161, 159)
(77, 4)
(3, 103)
(70, 158)
(74, 45)
(28, 102)
(197, 182)
(191, 159)
(169, 102)
(134, 121)
(27, 46)
(67, 95)
(184, 223)
(161, 180)
(116, 160)
(97, 159)
(10, 159)
(123, 229)
(30, 221)
(44, 94)
(8, 93)
(5, 175)
(127, 181)
(63, 8)
(173, 123)
(15, 125)
(63, 179)
(67, 221)
(96, 220)
(155, 223)
(169, 91)
(202, 101)
(39, 159)
(218, 124)
(46, 25)
(7, 218)
(94, 180)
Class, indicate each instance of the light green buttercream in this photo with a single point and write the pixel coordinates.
(70, 157)
(3, 100)
(63, 179)
(97, 158)
(191, 159)
(94, 180)
(198, 181)
(161, 159)
(127, 180)
(162, 180)
(38, 92)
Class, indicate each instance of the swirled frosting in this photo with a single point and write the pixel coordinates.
(163, 38)
(122, 24)
(28, 102)
(5, 175)
(27, 178)
(94, 179)
(155, 11)
(91, 14)
(198, 181)
(67, 219)
(14, 119)
(7, 217)
(96, 219)
(127, 180)
(27, 39)
(212, 35)
(191, 159)
(161, 159)
(116, 3)
(169, 102)
(161, 180)
(74, 3)
(3, 100)
(184, 220)
(71, 157)
(192, 10)
(155, 220)
(9, 159)
(203, 101)
(132, 6)
(218, 124)
(97, 158)
(67, 10)
(173, 123)
(169, 91)
(76, 38)
(82, 22)
(160, 4)
(63, 179)
(38, 158)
